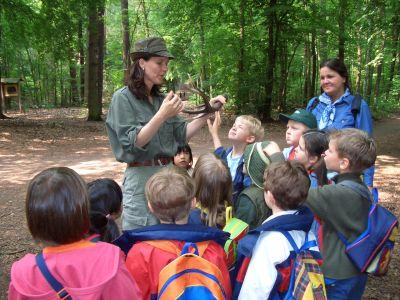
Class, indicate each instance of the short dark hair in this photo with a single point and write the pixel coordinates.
(135, 79)
(186, 149)
(170, 193)
(338, 66)
(105, 199)
(57, 206)
(288, 182)
(357, 146)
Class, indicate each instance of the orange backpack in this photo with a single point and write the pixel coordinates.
(189, 276)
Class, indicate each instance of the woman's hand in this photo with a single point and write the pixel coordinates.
(218, 102)
(171, 106)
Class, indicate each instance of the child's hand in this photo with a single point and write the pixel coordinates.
(214, 127)
(272, 148)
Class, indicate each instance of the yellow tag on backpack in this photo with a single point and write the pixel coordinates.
(237, 229)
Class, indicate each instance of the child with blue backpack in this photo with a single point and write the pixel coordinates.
(159, 258)
(343, 210)
(245, 130)
(271, 250)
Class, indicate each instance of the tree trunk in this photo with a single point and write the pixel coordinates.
(359, 68)
(283, 54)
(2, 116)
(203, 55)
(62, 88)
(266, 107)
(125, 34)
(74, 100)
(242, 86)
(307, 81)
(81, 62)
(395, 47)
(342, 27)
(94, 60)
(146, 21)
(323, 37)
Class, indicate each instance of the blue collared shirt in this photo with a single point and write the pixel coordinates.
(344, 119)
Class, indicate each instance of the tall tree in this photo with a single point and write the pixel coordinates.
(94, 59)
(125, 34)
(342, 27)
(265, 114)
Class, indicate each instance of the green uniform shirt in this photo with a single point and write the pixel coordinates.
(127, 115)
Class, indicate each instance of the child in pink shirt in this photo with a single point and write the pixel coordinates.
(58, 218)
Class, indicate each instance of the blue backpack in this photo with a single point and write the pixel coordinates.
(372, 250)
(305, 259)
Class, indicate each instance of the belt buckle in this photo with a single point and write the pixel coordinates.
(160, 163)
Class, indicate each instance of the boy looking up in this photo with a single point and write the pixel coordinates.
(246, 130)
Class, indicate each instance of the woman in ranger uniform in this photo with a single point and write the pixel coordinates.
(144, 127)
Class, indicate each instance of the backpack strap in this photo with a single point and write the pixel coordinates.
(356, 105)
(362, 190)
(314, 103)
(306, 245)
(54, 283)
(170, 247)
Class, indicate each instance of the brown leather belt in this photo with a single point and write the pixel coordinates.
(162, 161)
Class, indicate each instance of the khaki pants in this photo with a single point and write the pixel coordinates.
(135, 212)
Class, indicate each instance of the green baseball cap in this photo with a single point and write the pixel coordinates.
(302, 116)
(153, 45)
(256, 160)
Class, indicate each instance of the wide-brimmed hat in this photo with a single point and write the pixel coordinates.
(256, 160)
(302, 116)
(153, 45)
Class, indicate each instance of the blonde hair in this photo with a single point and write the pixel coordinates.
(254, 125)
(213, 188)
(355, 145)
(170, 193)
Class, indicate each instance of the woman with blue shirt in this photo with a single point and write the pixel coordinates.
(333, 108)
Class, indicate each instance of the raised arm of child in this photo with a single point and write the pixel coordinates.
(213, 129)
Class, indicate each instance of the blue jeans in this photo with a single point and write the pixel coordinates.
(346, 289)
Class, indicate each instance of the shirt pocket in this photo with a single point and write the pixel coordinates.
(166, 136)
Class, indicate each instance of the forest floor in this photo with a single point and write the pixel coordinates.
(41, 139)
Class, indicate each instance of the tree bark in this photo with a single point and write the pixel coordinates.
(395, 47)
(125, 35)
(146, 21)
(266, 107)
(81, 62)
(94, 60)
(307, 81)
(242, 86)
(359, 68)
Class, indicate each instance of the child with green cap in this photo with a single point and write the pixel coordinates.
(297, 123)
(250, 206)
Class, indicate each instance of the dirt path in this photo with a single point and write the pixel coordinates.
(44, 138)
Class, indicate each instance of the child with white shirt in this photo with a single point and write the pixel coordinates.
(268, 274)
